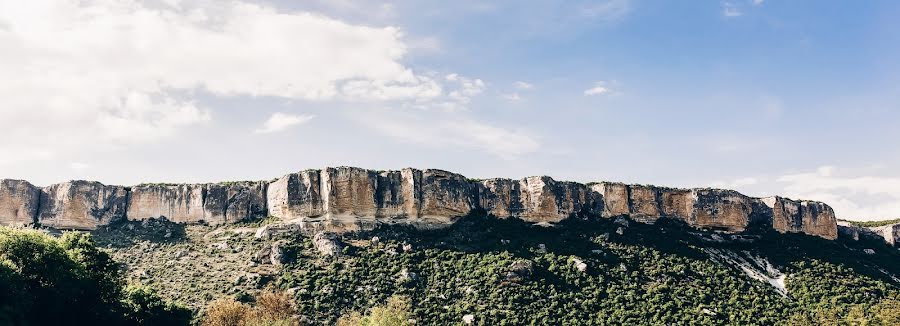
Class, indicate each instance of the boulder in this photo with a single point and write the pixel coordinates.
(327, 244)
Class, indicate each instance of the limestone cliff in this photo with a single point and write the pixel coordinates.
(19, 202)
(348, 198)
(81, 205)
(210, 203)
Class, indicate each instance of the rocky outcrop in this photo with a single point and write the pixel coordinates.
(19, 201)
(802, 217)
(81, 205)
(194, 203)
(348, 198)
(718, 209)
(538, 199)
(890, 233)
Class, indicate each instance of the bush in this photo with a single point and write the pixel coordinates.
(271, 309)
(395, 312)
(50, 281)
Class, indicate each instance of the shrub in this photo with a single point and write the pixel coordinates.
(395, 312)
(271, 309)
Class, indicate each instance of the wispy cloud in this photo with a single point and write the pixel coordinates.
(757, 2)
(523, 85)
(282, 121)
(599, 88)
(607, 10)
(449, 130)
(731, 10)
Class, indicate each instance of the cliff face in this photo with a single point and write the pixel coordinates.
(211, 203)
(81, 205)
(347, 198)
(19, 201)
(802, 216)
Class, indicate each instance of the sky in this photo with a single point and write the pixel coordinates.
(768, 97)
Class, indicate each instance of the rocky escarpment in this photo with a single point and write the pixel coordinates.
(888, 233)
(19, 201)
(348, 198)
(81, 205)
(210, 203)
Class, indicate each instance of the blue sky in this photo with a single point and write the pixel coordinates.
(799, 98)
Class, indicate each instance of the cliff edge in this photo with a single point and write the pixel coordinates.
(349, 198)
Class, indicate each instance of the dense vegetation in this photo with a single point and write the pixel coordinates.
(647, 275)
(485, 270)
(55, 281)
(872, 224)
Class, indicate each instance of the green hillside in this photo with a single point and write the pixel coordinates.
(506, 272)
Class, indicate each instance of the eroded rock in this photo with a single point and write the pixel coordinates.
(81, 205)
(327, 244)
(19, 202)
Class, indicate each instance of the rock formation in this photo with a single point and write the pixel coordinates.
(890, 234)
(81, 205)
(211, 203)
(19, 201)
(348, 198)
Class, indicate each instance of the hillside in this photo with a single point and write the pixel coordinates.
(508, 272)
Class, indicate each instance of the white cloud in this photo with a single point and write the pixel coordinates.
(599, 88)
(757, 2)
(281, 121)
(851, 196)
(523, 85)
(105, 73)
(730, 10)
(461, 91)
(449, 130)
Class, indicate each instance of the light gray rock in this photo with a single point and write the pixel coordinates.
(19, 202)
(81, 205)
(327, 244)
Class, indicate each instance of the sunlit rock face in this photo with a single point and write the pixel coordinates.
(296, 196)
(349, 192)
(809, 217)
(890, 233)
(347, 198)
(615, 198)
(501, 197)
(81, 205)
(551, 201)
(644, 202)
(19, 201)
(677, 203)
(721, 209)
(194, 203)
(445, 196)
